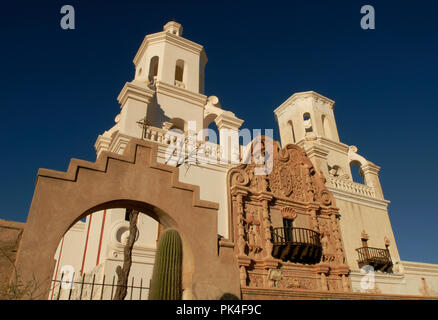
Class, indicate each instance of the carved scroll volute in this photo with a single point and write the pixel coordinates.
(239, 177)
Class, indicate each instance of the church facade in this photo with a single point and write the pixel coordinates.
(263, 220)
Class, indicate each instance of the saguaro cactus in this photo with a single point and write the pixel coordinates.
(166, 276)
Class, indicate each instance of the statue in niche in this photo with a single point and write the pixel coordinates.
(327, 244)
(252, 229)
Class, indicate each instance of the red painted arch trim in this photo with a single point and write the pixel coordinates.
(101, 237)
(86, 244)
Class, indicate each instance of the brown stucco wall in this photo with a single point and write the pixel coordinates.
(135, 181)
(10, 236)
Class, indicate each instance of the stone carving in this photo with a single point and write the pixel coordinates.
(288, 213)
(327, 242)
(387, 241)
(294, 188)
(296, 283)
(242, 276)
(256, 280)
(333, 285)
(252, 228)
(267, 228)
(240, 226)
(274, 276)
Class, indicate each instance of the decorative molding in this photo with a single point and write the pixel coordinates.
(316, 97)
(351, 186)
(288, 213)
(359, 199)
(293, 188)
(172, 39)
(228, 120)
(135, 90)
(167, 89)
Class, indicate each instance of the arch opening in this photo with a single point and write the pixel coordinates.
(357, 174)
(153, 68)
(89, 252)
(307, 123)
(179, 73)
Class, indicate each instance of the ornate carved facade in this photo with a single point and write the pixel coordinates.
(286, 226)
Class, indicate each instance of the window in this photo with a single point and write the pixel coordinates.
(179, 70)
(356, 172)
(307, 123)
(153, 68)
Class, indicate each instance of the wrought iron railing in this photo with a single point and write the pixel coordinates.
(380, 259)
(296, 245)
(291, 235)
(92, 289)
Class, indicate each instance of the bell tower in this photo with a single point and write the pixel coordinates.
(167, 90)
(306, 115)
(169, 58)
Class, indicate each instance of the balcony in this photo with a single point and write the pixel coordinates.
(298, 245)
(379, 259)
(350, 186)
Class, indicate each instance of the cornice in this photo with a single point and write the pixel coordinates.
(164, 36)
(370, 167)
(326, 143)
(135, 90)
(102, 142)
(301, 95)
(316, 150)
(333, 145)
(118, 141)
(180, 93)
(228, 120)
(421, 267)
(359, 199)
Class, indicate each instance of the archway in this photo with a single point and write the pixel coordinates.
(90, 252)
(133, 180)
(356, 172)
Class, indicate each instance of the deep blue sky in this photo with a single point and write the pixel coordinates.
(59, 87)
